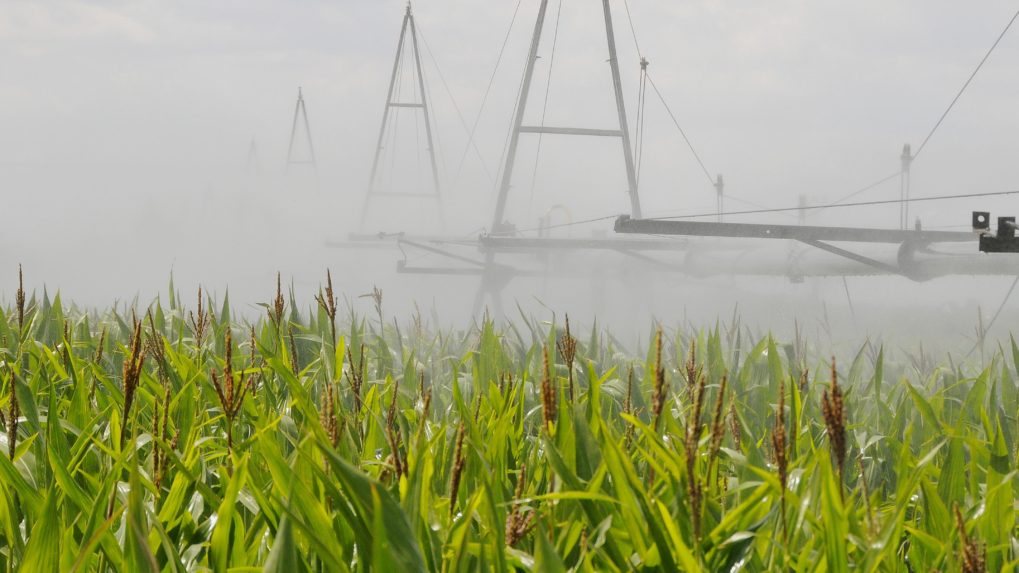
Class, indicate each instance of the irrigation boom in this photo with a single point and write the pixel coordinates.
(649, 242)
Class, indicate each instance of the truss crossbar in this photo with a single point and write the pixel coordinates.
(571, 131)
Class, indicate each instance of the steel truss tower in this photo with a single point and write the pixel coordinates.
(373, 191)
(623, 132)
(301, 114)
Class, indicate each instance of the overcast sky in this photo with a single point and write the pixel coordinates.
(782, 97)
(112, 110)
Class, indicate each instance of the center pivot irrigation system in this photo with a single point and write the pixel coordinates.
(666, 244)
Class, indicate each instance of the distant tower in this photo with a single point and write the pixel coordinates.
(720, 196)
(907, 162)
(408, 22)
(251, 164)
(300, 112)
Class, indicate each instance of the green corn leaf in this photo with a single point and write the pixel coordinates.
(223, 538)
(283, 556)
(362, 492)
(137, 552)
(42, 554)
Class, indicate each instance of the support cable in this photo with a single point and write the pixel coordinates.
(831, 206)
(544, 106)
(1008, 295)
(471, 144)
(646, 77)
(707, 174)
(641, 96)
(397, 97)
(1001, 307)
(388, 141)
(503, 155)
(557, 226)
(884, 179)
(758, 211)
(940, 119)
(428, 91)
(641, 113)
(484, 98)
(943, 115)
(641, 116)
(965, 85)
(745, 202)
(839, 202)
(417, 133)
(633, 30)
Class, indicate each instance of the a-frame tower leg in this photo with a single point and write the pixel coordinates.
(424, 104)
(624, 126)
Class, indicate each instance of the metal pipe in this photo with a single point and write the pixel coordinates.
(625, 224)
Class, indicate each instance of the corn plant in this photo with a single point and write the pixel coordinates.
(324, 443)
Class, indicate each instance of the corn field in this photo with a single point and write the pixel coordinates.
(176, 437)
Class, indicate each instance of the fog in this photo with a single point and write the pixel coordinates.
(146, 140)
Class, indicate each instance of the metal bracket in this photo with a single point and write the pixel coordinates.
(892, 269)
(442, 252)
(1004, 241)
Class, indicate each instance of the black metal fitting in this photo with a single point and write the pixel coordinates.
(1003, 241)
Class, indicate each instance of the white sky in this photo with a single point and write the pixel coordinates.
(782, 97)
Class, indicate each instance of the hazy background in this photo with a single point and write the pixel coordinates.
(126, 127)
